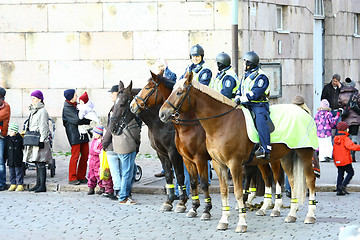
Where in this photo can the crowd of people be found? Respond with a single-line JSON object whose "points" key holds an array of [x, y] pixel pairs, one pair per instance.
{"points": [[337, 120]]}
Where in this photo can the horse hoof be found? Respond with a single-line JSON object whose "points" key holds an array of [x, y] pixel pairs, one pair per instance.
{"points": [[166, 207], [275, 213], [261, 212], [191, 213], [222, 226], [310, 220], [205, 216], [290, 219], [241, 228], [180, 208]]}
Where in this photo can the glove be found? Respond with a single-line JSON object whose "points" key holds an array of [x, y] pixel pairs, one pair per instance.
{"points": [[237, 99], [244, 98], [41, 145], [338, 114]]}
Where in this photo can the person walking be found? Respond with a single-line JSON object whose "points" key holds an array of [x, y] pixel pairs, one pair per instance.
{"points": [[342, 157], [4, 123], [13, 154], [40, 155], [325, 122], [79, 142]]}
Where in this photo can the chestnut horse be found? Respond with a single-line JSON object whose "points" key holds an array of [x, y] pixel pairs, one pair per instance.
{"points": [[190, 141], [229, 146], [161, 137]]}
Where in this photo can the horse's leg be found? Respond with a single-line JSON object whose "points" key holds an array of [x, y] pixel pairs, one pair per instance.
{"points": [[278, 178], [191, 167], [237, 176], [202, 166], [266, 174], [310, 177], [178, 165], [169, 176], [222, 172], [288, 166], [252, 188]]}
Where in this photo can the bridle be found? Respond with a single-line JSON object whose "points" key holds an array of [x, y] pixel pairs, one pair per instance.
{"points": [[120, 123], [142, 104], [176, 114]]}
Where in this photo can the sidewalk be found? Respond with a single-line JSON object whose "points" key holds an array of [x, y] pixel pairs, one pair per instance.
{"points": [[149, 184]]}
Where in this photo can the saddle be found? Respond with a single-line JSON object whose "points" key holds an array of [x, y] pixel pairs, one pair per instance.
{"points": [[269, 122]]}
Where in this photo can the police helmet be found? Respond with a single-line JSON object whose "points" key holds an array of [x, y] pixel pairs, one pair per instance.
{"points": [[196, 50], [223, 58], [252, 59]]}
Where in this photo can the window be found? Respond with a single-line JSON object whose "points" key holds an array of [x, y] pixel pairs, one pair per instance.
{"points": [[319, 9], [279, 18], [274, 73], [357, 24]]}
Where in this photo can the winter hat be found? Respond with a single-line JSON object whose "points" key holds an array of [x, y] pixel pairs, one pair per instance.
{"points": [[84, 97], [349, 83], [114, 88], [14, 127], [69, 94], [2, 93], [99, 129], [38, 94], [342, 126], [298, 100]]}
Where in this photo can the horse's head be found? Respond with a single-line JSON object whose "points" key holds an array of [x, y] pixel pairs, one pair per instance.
{"points": [[121, 115], [155, 92], [175, 102]]}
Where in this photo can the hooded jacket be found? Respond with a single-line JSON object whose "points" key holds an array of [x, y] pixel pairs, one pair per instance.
{"points": [[342, 147]]}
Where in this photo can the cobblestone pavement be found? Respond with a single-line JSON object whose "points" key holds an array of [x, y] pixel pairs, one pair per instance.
{"points": [[74, 215]]}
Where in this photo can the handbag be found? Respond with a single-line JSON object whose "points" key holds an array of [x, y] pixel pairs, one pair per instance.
{"points": [[31, 138], [104, 166], [354, 105]]}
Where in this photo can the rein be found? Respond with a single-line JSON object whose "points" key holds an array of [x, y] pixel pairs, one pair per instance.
{"points": [[176, 115], [123, 122]]}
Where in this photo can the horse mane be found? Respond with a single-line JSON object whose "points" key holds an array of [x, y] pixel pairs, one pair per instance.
{"points": [[167, 82], [208, 91]]}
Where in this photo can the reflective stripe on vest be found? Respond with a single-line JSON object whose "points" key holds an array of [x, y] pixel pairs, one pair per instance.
{"points": [[248, 83], [217, 85], [196, 75]]}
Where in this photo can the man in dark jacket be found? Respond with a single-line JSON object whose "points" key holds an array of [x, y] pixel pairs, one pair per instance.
{"points": [[79, 142], [331, 92]]}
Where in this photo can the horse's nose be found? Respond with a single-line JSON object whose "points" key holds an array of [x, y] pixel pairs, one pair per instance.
{"points": [[162, 116]]}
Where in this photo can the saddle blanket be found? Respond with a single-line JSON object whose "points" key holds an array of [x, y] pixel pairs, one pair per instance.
{"points": [[293, 126]]}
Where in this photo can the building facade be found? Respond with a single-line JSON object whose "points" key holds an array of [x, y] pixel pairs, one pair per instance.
{"points": [[90, 45]]}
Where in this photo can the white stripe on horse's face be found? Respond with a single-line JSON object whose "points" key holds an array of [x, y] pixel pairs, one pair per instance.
{"points": [[179, 85]]}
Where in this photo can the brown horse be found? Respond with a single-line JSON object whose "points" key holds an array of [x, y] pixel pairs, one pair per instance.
{"points": [[190, 141], [229, 146]]}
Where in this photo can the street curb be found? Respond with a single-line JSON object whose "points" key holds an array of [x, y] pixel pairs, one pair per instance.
{"points": [[161, 190]]}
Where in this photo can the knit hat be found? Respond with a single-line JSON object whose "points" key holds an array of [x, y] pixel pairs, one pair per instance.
{"points": [[2, 93], [69, 94], [99, 129], [342, 126], [38, 94], [349, 83], [114, 88], [14, 127], [84, 97], [324, 105], [298, 100]]}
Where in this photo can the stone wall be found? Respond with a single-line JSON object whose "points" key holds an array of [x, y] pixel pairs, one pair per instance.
{"points": [[90, 45]]}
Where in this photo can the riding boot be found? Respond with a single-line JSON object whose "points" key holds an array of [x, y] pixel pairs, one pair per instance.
{"points": [[37, 179], [42, 171]]}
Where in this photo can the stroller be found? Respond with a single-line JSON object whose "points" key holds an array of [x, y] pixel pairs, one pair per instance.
{"points": [[51, 165]]}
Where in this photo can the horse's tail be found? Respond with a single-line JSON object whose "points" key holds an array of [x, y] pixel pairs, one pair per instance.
{"points": [[299, 178]]}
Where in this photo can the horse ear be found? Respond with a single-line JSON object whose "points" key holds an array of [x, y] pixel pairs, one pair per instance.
{"points": [[121, 86], [129, 88], [190, 77], [155, 77]]}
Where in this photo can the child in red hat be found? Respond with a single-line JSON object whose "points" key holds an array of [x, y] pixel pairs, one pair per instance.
{"points": [[86, 110], [342, 157]]}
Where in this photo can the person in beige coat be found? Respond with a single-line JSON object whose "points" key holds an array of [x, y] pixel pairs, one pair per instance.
{"points": [[40, 155]]}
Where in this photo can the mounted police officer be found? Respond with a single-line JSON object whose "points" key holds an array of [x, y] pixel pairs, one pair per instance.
{"points": [[201, 71], [253, 93], [226, 81]]}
